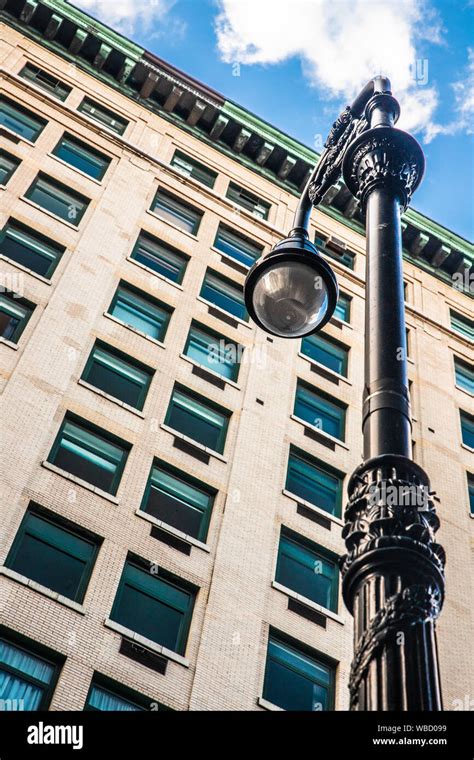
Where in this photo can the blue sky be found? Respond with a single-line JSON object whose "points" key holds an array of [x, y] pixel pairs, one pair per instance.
{"points": [[296, 63]]}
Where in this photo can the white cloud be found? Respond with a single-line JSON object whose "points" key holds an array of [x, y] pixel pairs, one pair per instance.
{"points": [[127, 16], [463, 108]]}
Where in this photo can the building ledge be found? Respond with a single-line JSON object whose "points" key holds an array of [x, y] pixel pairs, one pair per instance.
{"points": [[25, 269], [8, 343], [313, 507], [154, 273], [325, 370], [146, 643], [78, 481], [330, 438], [308, 602], [114, 400], [261, 702], [212, 372], [43, 210], [44, 590], [225, 313], [134, 330], [173, 531]]}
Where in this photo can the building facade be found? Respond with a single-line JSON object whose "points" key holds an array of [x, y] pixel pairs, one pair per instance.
{"points": [[173, 478]]}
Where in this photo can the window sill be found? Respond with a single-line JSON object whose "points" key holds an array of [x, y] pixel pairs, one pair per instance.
{"points": [[50, 214], [147, 643], [83, 483], [313, 507], [319, 431], [25, 269], [114, 400], [44, 590], [463, 390], [194, 443], [76, 170], [261, 702], [9, 343], [468, 448], [341, 322], [173, 531], [155, 274], [331, 372], [232, 262], [211, 372], [308, 602], [20, 137], [134, 330], [225, 313], [173, 226]]}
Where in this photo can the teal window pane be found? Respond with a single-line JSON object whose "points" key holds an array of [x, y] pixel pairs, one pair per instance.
{"points": [[175, 211], [462, 325], [225, 294], [103, 699], [90, 455], [326, 352], [82, 157], [192, 168], [154, 254], [58, 199], [237, 247], [102, 115], [20, 120], [198, 418], [313, 483], [141, 312], [154, 606], [248, 201], [467, 429], [14, 315], [53, 556], [308, 570], [470, 488], [118, 375], [464, 375], [24, 678], [8, 164], [47, 82], [179, 501], [295, 680], [319, 411], [33, 251], [213, 351], [343, 308]]}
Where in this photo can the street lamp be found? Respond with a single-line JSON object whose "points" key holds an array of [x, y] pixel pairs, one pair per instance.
{"points": [[393, 572]]}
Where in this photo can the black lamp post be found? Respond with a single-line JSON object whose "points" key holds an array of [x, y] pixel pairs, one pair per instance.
{"points": [[393, 572]]}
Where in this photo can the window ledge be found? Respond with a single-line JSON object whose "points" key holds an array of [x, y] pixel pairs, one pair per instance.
{"points": [[25, 581], [154, 273], [313, 507], [341, 322], [147, 643], [9, 343], [133, 329], [25, 269], [79, 481], [331, 372], [49, 213], [320, 432], [75, 169], [463, 390], [198, 445], [211, 372], [471, 515], [269, 705], [114, 400], [173, 226], [468, 448], [20, 137], [226, 313], [308, 602], [238, 263], [173, 531]]}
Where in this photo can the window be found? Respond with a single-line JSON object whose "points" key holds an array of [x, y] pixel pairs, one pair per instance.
{"points": [[59, 557], [8, 164], [213, 351], [44, 80], [462, 325], [29, 249], [82, 156], [295, 679], [470, 489], [27, 680], [89, 453], [224, 294], [105, 117], [156, 605], [464, 375], [197, 417], [118, 375], [336, 252], [140, 311], [252, 203], [316, 409], [467, 429], [173, 210], [160, 257], [178, 500], [306, 568], [19, 120], [327, 352], [311, 481], [343, 308], [57, 198], [192, 168], [107, 696], [14, 315], [237, 246]]}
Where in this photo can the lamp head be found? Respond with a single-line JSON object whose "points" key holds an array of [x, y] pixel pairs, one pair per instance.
{"points": [[291, 291]]}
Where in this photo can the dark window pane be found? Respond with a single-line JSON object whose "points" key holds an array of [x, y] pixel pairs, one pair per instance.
{"points": [[175, 211], [192, 168], [308, 571], [24, 678], [295, 680], [464, 375], [225, 294], [154, 254], [343, 308], [14, 315], [19, 120], [326, 352], [82, 157], [197, 419], [467, 429], [47, 82], [30, 249], [117, 375], [462, 325], [319, 412], [58, 199], [248, 201], [8, 164], [141, 312], [101, 114], [105, 700], [213, 351], [237, 247], [314, 484]]}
